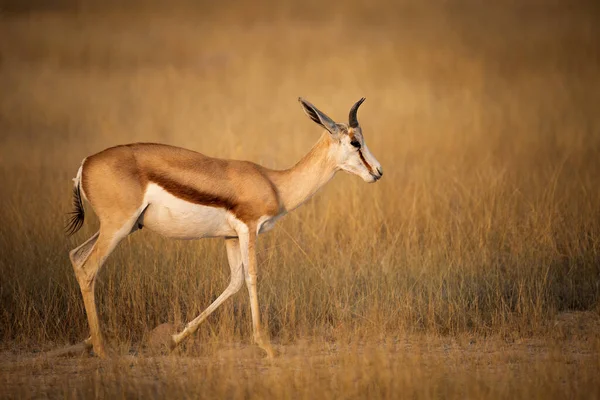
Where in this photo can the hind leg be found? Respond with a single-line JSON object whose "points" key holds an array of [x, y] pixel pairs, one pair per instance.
{"points": [[87, 260], [80, 254], [78, 258]]}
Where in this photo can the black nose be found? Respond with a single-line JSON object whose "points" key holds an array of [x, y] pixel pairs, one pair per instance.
{"points": [[380, 171]]}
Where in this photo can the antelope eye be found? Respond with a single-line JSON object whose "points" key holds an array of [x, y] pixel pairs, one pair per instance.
{"points": [[355, 143]]}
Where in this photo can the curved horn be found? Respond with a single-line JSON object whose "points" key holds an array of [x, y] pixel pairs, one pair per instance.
{"points": [[352, 117]]}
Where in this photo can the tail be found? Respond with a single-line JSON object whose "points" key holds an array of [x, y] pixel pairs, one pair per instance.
{"points": [[77, 216]]}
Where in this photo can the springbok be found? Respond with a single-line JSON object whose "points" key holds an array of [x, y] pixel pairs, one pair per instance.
{"points": [[182, 194]]}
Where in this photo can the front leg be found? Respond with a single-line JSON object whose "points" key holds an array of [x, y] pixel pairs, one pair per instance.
{"points": [[235, 284], [247, 236]]}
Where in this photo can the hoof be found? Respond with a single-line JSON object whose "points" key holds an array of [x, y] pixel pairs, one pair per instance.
{"points": [[268, 349], [270, 352], [100, 353]]}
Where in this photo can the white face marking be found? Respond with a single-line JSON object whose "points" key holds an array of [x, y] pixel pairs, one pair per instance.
{"points": [[173, 217], [349, 157]]}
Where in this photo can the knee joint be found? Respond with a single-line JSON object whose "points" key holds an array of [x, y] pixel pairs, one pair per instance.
{"points": [[236, 283], [84, 278]]}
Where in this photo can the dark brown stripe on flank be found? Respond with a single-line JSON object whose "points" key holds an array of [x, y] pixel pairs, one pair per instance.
{"points": [[190, 194], [365, 162]]}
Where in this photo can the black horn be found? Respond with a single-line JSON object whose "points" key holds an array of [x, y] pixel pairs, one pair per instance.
{"points": [[352, 117]]}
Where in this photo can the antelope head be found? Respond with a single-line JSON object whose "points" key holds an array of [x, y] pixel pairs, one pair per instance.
{"points": [[348, 147]]}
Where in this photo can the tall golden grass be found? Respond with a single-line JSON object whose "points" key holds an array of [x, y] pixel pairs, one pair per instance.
{"points": [[486, 223]]}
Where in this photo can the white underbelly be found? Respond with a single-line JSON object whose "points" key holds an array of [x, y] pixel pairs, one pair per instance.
{"points": [[173, 217]]}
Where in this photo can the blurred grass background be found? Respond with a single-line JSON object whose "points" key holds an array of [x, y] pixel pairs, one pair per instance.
{"points": [[484, 118]]}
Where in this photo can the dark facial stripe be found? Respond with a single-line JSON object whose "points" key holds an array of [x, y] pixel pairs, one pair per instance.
{"points": [[191, 194], [362, 158]]}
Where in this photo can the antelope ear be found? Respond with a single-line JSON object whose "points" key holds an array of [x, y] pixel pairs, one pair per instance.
{"points": [[316, 115]]}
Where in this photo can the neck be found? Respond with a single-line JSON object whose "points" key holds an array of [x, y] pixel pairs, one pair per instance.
{"points": [[299, 183]]}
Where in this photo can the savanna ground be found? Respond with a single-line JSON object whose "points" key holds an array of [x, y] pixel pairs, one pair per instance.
{"points": [[471, 270]]}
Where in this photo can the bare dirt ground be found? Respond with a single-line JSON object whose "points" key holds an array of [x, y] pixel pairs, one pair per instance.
{"points": [[417, 365]]}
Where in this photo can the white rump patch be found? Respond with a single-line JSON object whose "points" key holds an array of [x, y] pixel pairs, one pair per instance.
{"points": [[77, 179]]}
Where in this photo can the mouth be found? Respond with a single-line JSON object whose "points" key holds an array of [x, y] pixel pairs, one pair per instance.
{"points": [[380, 174], [375, 177]]}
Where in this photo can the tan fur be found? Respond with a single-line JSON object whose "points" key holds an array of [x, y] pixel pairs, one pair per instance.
{"points": [[121, 184], [351, 134], [299, 183], [116, 178]]}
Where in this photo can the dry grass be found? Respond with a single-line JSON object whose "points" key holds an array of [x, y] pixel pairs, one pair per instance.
{"points": [[486, 224], [408, 368]]}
